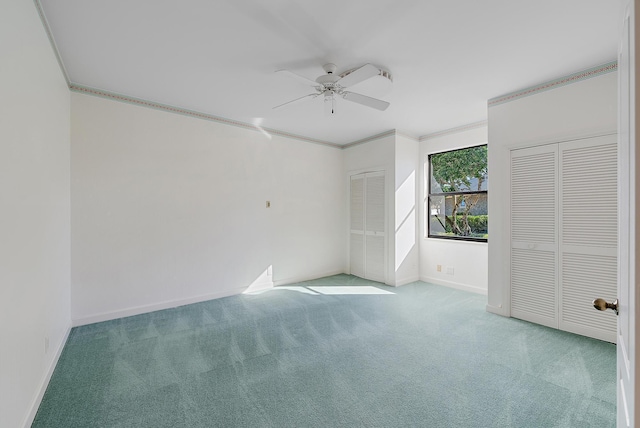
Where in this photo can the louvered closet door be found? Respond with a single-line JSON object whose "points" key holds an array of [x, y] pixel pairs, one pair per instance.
{"points": [[367, 220], [534, 235], [356, 244], [588, 235], [374, 226]]}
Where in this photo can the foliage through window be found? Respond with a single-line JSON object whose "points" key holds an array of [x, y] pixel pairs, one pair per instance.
{"points": [[457, 203]]}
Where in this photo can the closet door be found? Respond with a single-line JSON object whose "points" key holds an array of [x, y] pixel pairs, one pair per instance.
{"points": [[356, 243], [534, 235], [367, 226], [374, 226], [588, 235]]}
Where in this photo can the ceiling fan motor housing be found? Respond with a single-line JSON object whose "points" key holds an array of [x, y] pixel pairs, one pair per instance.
{"points": [[330, 68], [331, 86], [328, 79]]}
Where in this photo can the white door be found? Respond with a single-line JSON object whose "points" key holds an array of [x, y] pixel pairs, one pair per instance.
{"points": [[534, 234], [356, 236], [367, 226], [626, 350], [564, 234], [374, 226], [588, 235]]}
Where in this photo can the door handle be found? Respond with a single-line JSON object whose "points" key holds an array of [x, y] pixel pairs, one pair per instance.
{"points": [[603, 305]]}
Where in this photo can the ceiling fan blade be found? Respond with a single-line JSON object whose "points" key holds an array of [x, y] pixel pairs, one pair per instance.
{"points": [[299, 78], [297, 99], [365, 72], [366, 101]]}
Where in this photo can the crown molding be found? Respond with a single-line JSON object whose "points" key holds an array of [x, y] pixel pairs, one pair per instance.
{"points": [[87, 90], [158, 106], [47, 30], [198, 115], [457, 129], [384, 134], [582, 75], [566, 80], [407, 135], [371, 138]]}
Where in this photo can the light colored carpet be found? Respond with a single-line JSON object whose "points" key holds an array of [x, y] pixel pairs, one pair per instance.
{"points": [[332, 352]]}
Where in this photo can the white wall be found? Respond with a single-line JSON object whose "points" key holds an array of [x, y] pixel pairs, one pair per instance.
{"points": [[397, 155], [407, 247], [376, 155], [34, 208], [581, 109], [169, 209], [469, 260]]}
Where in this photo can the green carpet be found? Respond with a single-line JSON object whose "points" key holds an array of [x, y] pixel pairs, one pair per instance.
{"points": [[331, 353]]}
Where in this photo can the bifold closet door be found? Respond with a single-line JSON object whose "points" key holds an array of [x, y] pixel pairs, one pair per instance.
{"points": [[588, 235], [367, 232], [564, 231], [356, 244], [374, 226], [534, 235]]}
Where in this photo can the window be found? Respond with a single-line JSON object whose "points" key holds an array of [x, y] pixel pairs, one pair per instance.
{"points": [[457, 203]]}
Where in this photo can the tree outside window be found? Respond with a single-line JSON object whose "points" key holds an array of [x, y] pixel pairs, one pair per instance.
{"points": [[458, 183]]}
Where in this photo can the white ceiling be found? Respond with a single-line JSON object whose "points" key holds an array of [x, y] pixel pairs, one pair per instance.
{"points": [[218, 57]]}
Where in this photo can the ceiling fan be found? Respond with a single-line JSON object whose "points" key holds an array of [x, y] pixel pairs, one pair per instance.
{"points": [[331, 86]]}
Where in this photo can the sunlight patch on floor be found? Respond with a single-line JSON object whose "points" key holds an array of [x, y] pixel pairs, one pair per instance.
{"points": [[303, 290], [328, 290], [349, 289]]}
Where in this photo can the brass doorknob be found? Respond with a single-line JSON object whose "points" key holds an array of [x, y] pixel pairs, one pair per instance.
{"points": [[603, 305]]}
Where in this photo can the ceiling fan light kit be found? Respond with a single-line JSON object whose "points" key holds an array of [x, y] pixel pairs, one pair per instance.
{"points": [[333, 85], [329, 103]]}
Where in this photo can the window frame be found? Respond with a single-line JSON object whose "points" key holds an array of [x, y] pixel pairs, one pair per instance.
{"points": [[445, 194]]}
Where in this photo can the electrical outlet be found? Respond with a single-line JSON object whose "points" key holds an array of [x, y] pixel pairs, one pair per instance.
{"points": [[449, 270], [439, 268]]}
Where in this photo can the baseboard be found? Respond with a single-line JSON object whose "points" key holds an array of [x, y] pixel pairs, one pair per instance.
{"points": [[456, 285], [138, 310], [261, 286], [295, 279], [35, 405], [405, 281], [498, 310]]}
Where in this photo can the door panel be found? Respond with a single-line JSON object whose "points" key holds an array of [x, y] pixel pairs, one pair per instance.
{"points": [[533, 286], [534, 235], [375, 258], [356, 238], [367, 226], [375, 211], [585, 277], [374, 226], [627, 222], [564, 234], [588, 219]]}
